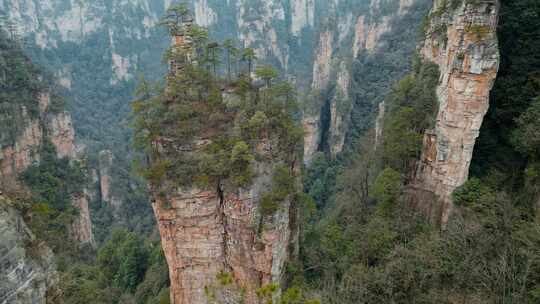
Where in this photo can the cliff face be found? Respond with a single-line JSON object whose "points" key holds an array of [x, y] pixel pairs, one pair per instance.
{"points": [[25, 151], [28, 269], [106, 159], [26, 275], [463, 42], [357, 32], [32, 121], [205, 233]]}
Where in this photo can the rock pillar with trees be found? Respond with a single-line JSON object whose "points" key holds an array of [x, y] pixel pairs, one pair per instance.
{"points": [[222, 157]]}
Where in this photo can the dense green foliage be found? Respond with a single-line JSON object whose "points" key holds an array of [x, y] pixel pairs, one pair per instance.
{"points": [[370, 246], [204, 130], [127, 269], [412, 108], [53, 183], [21, 84], [506, 147]]}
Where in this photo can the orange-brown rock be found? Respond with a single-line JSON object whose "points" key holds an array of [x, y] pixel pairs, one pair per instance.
{"points": [[25, 150], [105, 163], [463, 43], [207, 232], [81, 228]]}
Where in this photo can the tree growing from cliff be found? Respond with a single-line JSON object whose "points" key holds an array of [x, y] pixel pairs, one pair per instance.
{"points": [[176, 15], [207, 130]]}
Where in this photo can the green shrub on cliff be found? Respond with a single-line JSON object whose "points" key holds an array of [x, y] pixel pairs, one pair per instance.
{"points": [[21, 83], [412, 109], [207, 129], [53, 184]]}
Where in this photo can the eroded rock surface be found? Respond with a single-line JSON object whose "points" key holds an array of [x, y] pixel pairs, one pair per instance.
{"points": [[207, 232], [463, 43], [27, 269]]}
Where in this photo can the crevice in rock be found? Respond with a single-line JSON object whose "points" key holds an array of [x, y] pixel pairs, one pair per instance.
{"points": [[325, 118], [226, 237]]}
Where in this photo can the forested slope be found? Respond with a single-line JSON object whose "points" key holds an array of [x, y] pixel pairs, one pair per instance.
{"points": [[369, 244]]}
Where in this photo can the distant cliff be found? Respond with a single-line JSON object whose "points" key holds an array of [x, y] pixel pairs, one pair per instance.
{"points": [[461, 39], [353, 68]]}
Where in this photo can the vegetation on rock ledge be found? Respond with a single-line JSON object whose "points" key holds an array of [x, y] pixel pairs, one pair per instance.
{"points": [[205, 130]]}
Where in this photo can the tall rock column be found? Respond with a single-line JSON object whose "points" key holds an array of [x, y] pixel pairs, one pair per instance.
{"points": [[228, 222], [206, 233], [462, 40]]}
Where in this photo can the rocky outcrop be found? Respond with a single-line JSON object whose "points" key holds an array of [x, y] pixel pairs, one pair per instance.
{"points": [[18, 156], [463, 42], [302, 15], [205, 233], [24, 150], [27, 269], [105, 165], [340, 104], [323, 61], [312, 136], [379, 123], [106, 159], [81, 228], [62, 135], [245, 234]]}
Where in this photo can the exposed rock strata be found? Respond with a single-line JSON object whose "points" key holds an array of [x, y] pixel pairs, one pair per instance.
{"points": [[105, 165], [464, 44], [27, 269], [206, 232], [312, 136], [379, 123], [106, 160], [354, 34], [81, 228], [340, 105]]}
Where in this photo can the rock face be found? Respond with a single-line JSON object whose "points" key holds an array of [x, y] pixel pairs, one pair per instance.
{"points": [[27, 268], [463, 42], [81, 228], [24, 151], [221, 230], [354, 33], [205, 233], [27, 273], [379, 123], [106, 159]]}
